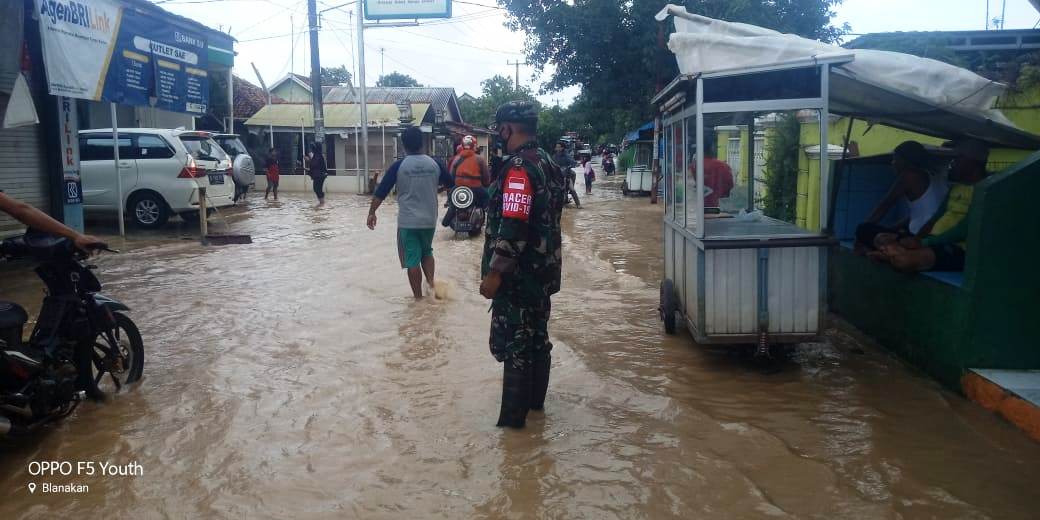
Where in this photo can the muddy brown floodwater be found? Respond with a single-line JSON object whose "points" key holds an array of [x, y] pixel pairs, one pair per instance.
{"points": [[296, 378]]}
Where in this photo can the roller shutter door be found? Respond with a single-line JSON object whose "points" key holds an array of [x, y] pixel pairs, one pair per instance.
{"points": [[23, 172]]}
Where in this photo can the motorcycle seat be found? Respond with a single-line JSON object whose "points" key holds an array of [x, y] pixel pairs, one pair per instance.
{"points": [[12, 315], [32, 362]]}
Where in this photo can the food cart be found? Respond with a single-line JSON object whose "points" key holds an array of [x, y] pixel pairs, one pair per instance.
{"points": [[639, 145], [639, 180], [731, 274]]}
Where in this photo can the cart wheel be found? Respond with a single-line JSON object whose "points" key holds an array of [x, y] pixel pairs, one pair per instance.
{"points": [[624, 188], [668, 306]]}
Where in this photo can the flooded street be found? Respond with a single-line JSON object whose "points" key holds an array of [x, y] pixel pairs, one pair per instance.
{"points": [[296, 377]]}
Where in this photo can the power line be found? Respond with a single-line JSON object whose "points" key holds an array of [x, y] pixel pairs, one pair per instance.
{"points": [[289, 60], [271, 37], [349, 51], [462, 19], [293, 8], [480, 5], [407, 48], [468, 46], [421, 75]]}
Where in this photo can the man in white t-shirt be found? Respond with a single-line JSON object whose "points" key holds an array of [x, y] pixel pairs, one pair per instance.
{"points": [[923, 192]]}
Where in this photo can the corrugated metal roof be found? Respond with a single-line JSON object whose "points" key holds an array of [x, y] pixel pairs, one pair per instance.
{"points": [[437, 97], [337, 115], [442, 98]]}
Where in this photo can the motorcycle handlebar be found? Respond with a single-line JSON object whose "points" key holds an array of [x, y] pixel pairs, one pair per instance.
{"points": [[44, 246]]}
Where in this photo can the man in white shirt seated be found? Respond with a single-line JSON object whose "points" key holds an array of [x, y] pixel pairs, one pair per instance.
{"points": [[923, 191]]}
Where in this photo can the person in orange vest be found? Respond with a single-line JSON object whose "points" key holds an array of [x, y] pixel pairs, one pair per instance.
{"points": [[471, 170]]}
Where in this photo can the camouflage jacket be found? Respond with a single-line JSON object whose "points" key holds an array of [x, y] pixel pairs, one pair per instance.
{"points": [[523, 239]]}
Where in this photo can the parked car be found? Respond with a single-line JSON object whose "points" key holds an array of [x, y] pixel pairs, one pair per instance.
{"points": [[243, 171], [161, 171]]}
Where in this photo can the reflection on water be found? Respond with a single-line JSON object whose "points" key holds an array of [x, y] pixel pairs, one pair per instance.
{"points": [[297, 377]]}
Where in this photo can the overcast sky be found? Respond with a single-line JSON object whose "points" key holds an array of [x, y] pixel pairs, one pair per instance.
{"points": [[474, 44]]}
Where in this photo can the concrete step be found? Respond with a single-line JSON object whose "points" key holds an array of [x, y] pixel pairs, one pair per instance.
{"points": [[1014, 394]]}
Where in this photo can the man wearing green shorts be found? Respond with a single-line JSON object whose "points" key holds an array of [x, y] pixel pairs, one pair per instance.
{"points": [[416, 177]]}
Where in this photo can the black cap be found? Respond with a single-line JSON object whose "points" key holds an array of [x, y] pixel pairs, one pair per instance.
{"points": [[517, 112]]}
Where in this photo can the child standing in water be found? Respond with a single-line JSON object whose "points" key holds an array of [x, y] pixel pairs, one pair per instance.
{"points": [[271, 162]]}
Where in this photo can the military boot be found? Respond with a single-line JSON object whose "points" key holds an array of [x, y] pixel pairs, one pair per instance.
{"points": [[540, 380], [516, 392]]}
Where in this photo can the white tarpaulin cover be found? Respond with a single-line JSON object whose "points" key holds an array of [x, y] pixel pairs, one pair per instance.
{"points": [[703, 44]]}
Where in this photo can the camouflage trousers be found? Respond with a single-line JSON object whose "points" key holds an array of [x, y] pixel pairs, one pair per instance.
{"points": [[519, 333]]}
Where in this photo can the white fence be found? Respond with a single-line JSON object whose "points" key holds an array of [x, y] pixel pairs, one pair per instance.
{"points": [[339, 183]]}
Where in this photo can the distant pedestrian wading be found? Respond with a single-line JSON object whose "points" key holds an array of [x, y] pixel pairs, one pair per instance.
{"points": [[318, 172], [520, 268]]}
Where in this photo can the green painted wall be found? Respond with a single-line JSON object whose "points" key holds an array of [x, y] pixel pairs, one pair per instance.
{"points": [[922, 320], [741, 173], [942, 329], [1004, 226], [292, 92], [1021, 108], [807, 208]]}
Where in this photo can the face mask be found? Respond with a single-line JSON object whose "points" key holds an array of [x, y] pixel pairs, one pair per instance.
{"points": [[501, 142]]}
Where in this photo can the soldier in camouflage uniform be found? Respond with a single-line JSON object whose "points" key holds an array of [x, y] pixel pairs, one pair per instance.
{"points": [[521, 264]]}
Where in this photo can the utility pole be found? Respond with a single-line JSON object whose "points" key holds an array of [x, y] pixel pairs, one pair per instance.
{"points": [[362, 94], [362, 102], [518, 63], [382, 69], [319, 113], [263, 85]]}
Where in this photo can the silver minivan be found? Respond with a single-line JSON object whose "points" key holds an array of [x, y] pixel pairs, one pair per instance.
{"points": [[161, 170]]}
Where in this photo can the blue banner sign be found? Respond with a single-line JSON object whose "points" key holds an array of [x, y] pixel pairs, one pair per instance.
{"points": [[103, 51]]}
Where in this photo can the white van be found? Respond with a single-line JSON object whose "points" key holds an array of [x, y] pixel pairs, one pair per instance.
{"points": [[161, 170]]}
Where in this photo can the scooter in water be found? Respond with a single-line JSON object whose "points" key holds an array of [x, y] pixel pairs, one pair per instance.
{"points": [[83, 344], [467, 217], [608, 165]]}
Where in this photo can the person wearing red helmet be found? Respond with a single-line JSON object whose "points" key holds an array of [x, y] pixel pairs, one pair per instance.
{"points": [[471, 170]]}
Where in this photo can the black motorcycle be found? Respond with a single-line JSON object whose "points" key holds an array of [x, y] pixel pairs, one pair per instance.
{"points": [[608, 166], [83, 343], [466, 216]]}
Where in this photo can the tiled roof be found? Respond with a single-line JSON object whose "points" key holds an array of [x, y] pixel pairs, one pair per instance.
{"points": [[249, 98]]}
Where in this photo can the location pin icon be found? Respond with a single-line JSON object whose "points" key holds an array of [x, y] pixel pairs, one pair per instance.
{"points": [[32, 487]]}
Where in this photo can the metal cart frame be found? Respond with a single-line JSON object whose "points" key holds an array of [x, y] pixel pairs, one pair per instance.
{"points": [[735, 282]]}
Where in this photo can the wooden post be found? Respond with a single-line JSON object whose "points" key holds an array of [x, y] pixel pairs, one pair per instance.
{"points": [[203, 225]]}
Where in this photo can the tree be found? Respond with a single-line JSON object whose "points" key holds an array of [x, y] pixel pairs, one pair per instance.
{"points": [[332, 76], [495, 91], [781, 169], [396, 79], [610, 48]]}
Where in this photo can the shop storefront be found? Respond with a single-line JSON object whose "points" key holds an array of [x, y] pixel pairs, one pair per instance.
{"points": [[65, 65]]}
